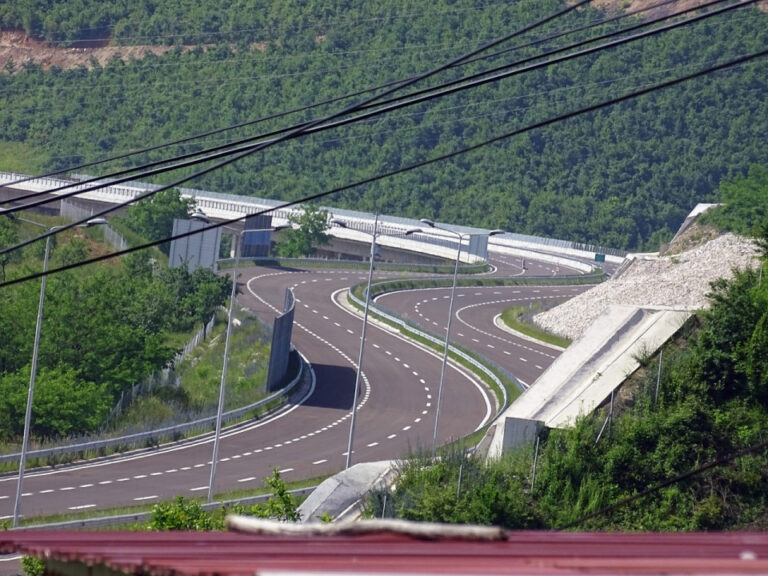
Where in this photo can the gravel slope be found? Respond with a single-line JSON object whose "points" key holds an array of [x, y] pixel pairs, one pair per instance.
{"points": [[681, 281]]}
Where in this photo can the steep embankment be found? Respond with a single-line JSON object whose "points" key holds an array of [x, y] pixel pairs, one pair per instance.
{"points": [[679, 281]]}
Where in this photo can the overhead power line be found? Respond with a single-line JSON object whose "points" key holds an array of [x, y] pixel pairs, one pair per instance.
{"points": [[332, 100], [617, 100], [385, 106], [309, 125]]}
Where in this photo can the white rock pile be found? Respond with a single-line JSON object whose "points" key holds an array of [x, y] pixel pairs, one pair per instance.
{"points": [[679, 282]]}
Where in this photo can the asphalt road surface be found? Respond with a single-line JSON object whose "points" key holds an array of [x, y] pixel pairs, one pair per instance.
{"points": [[396, 413], [309, 438]]}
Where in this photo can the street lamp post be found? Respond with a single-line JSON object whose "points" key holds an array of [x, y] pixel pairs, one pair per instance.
{"points": [[343, 224], [222, 386], [460, 237], [33, 368]]}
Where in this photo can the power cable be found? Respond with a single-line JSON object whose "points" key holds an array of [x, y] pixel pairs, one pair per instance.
{"points": [[302, 129], [249, 149], [330, 101], [617, 100], [431, 90]]}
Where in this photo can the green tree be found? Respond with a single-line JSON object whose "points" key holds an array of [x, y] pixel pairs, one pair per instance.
{"points": [[309, 231], [282, 505], [183, 514], [153, 217], [9, 235]]}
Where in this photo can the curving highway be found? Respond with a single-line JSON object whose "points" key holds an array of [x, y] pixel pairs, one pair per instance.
{"points": [[309, 439]]}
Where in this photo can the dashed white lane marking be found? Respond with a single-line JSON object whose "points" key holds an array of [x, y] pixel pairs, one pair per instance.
{"points": [[326, 318], [406, 428], [391, 436], [186, 468], [372, 444], [105, 482], [350, 331], [507, 353], [337, 324], [85, 486], [376, 345], [200, 465], [171, 471], [140, 498], [539, 367], [249, 479], [48, 491], [475, 340], [323, 461], [285, 470], [523, 359], [67, 488], [460, 334], [156, 474], [198, 489], [123, 479], [82, 507], [490, 346], [139, 476]]}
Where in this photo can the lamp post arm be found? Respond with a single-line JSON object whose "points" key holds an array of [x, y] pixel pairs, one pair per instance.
{"points": [[362, 344], [447, 344], [31, 391], [222, 386]]}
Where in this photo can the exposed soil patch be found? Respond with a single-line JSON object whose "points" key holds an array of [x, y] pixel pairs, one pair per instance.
{"points": [[18, 49]]}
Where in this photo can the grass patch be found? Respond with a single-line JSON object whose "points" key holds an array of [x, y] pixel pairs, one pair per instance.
{"points": [[19, 157], [385, 286], [520, 318]]}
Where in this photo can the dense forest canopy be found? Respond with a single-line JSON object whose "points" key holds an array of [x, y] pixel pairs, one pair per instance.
{"points": [[624, 176]]}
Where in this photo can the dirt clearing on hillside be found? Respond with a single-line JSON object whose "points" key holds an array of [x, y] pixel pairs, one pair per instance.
{"points": [[16, 49]]}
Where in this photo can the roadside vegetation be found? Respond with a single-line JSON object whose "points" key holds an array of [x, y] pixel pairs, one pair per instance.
{"points": [[520, 318], [111, 332], [685, 448]]}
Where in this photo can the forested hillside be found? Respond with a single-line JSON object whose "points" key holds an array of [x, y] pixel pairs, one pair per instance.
{"points": [[624, 176]]}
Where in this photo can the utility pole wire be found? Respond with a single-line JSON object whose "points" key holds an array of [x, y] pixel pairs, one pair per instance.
{"points": [[143, 172], [390, 88], [667, 84], [298, 131], [321, 125]]}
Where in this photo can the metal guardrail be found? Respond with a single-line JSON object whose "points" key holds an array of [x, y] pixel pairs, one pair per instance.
{"points": [[434, 339], [160, 432], [419, 331], [491, 281], [359, 264]]}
